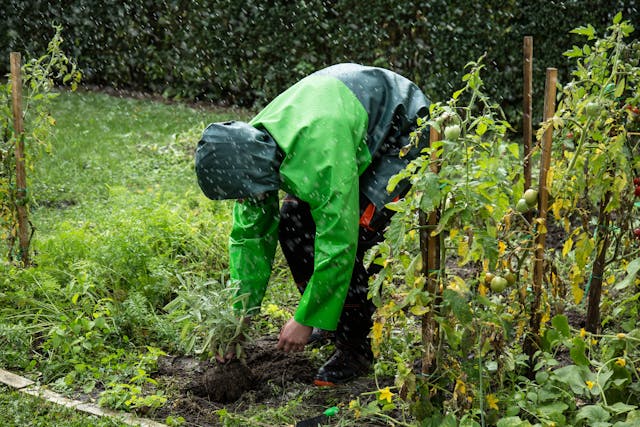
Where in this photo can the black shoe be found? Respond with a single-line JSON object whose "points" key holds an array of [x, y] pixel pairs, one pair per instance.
{"points": [[342, 366], [320, 336]]}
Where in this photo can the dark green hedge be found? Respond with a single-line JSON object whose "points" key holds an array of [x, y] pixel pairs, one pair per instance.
{"points": [[245, 52]]}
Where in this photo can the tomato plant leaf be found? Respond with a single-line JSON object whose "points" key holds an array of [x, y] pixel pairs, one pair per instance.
{"points": [[620, 88], [617, 18], [575, 52], [632, 272], [561, 323], [430, 185], [577, 352], [459, 306], [588, 31]]}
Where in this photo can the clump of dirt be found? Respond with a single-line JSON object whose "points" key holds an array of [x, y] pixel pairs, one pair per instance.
{"points": [[226, 383]]}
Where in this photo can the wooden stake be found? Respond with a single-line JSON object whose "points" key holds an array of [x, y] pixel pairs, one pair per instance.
{"points": [[430, 251], [532, 344], [21, 176], [527, 90]]}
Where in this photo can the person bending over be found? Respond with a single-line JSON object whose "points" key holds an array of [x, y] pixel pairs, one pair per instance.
{"points": [[330, 142]]}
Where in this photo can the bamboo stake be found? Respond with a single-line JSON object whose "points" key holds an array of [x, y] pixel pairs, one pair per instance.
{"points": [[21, 176], [430, 250], [543, 205]]}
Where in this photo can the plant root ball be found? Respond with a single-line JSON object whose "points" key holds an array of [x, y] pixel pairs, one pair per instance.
{"points": [[226, 383]]}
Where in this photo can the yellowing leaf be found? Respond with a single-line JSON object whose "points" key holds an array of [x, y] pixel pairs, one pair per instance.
{"points": [[502, 247], [419, 310], [376, 332], [576, 278], [355, 406], [457, 284], [566, 248], [546, 316], [460, 388], [463, 248]]}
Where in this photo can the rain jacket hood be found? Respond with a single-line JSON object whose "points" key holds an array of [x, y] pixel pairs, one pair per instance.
{"points": [[234, 160]]}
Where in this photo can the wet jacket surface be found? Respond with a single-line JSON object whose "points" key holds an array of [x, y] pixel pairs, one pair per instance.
{"points": [[340, 131]]}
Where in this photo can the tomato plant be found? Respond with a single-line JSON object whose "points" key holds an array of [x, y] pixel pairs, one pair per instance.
{"points": [[39, 75], [473, 184], [593, 182], [473, 190]]}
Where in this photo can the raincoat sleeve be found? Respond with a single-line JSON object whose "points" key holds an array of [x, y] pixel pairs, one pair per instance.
{"points": [[252, 246], [336, 219], [324, 173]]}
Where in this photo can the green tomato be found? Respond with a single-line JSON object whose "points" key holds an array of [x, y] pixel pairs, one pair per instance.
{"points": [[499, 284], [488, 277], [531, 197], [511, 278], [452, 132], [592, 109], [522, 206]]}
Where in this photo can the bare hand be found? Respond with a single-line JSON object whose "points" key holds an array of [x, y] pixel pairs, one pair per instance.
{"points": [[293, 336]]}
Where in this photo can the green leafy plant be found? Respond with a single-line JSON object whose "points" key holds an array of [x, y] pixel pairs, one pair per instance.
{"points": [[210, 324], [596, 161], [140, 391]]}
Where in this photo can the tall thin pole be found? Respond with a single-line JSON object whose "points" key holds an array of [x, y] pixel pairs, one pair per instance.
{"points": [[430, 251], [543, 205], [21, 176]]}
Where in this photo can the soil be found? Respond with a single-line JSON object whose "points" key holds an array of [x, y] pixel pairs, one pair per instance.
{"points": [[268, 379]]}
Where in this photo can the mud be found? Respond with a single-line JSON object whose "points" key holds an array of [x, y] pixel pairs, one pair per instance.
{"points": [[268, 379]]}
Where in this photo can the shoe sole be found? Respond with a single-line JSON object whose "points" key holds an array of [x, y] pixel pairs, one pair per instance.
{"points": [[326, 383], [322, 383]]}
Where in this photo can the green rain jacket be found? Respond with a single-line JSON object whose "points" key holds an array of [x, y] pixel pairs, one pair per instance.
{"points": [[336, 133]]}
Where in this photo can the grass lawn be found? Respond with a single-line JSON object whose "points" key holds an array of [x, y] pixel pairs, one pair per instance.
{"points": [[20, 410], [119, 223]]}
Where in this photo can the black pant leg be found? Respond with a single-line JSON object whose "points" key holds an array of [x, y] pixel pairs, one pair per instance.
{"points": [[296, 233], [356, 318], [297, 238]]}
